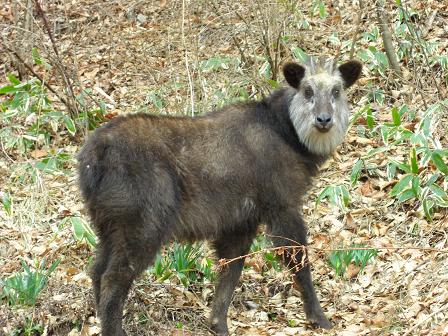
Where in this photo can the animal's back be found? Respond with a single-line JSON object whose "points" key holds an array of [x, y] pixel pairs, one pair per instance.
{"points": [[126, 170]]}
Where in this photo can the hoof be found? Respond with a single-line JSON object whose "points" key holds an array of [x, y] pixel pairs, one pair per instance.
{"points": [[321, 322], [220, 330]]}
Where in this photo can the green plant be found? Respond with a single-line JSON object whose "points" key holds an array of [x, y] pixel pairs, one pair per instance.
{"points": [[376, 60], [337, 195], [184, 262], [7, 202], [29, 328], [54, 162], [318, 7], [82, 230], [28, 116], [339, 260], [270, 257], [218, 63], [425, 177], [423, 172], [292, 323], [24, 288]]}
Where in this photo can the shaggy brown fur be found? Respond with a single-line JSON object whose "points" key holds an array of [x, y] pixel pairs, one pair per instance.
{"points": [[150, 179]]}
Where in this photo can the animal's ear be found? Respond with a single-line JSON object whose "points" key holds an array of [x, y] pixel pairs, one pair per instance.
{"points": [[350, 72], [293, 73]]}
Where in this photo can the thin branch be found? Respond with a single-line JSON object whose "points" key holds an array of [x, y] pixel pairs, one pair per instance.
{"points": [[72, 107], [387, 39], [190, 81], [358, 29], [235, 40], [280, 249], [416, 37], [30, 69], [411, 331]]}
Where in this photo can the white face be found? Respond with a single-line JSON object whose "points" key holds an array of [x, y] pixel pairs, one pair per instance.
{"points": [[319, 112]]}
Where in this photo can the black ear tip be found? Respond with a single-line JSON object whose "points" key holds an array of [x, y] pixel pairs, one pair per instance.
{"points": [[356, 65], [293, 73], [350, 71], [352, 65], [293, 68]]}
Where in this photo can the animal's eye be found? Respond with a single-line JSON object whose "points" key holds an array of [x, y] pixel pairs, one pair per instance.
{"points": [[308, 92], [336, 92]]}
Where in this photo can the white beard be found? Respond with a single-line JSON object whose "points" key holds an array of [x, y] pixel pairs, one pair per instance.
{"points": [[316, 142]]}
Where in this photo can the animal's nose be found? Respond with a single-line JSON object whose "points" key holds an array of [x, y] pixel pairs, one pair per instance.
{"points": [[323, 120]]}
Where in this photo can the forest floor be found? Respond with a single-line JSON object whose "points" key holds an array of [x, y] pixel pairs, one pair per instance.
{"points": [[188, 57]]}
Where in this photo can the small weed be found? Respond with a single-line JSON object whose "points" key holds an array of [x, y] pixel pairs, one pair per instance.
{"points": [[337, 195], [423, 173], [7, 202], [54, 162], [270, 257], [29, 328], [319, 8], [341, 259], [184, 262], [82, 230], [292, 323], [24, 288]]}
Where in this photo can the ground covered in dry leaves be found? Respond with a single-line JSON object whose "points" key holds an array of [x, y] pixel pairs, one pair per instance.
{"points": [[184, 57]]}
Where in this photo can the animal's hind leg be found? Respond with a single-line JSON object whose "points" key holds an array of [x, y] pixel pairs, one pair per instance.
{"points": [[134, 247], [98, 268]]}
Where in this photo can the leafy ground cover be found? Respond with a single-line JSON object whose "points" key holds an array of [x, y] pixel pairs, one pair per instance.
{"points": [[377, 215]]}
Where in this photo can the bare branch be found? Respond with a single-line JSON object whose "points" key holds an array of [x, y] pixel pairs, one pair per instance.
{"points": [[387, 39], [71, 105], [358, 29], [30, 69]]}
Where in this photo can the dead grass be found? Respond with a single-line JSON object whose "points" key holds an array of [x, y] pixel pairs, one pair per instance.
{"points": [[129, 51]]}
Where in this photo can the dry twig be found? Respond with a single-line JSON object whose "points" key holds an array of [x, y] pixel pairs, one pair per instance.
{"points": [[70, 103], [387, 39]]}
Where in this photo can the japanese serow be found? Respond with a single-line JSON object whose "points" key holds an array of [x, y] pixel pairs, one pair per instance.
{"points": [[147, 180]]}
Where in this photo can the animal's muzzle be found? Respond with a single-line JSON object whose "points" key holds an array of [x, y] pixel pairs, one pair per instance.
{"points": [[323, 122]]}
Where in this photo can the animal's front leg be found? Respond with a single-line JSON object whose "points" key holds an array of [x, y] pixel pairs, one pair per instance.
{"points": [[229, 245], [288, 229]]}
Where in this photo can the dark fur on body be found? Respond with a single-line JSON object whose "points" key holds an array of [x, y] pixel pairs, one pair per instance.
{"points": [[150, 179]]}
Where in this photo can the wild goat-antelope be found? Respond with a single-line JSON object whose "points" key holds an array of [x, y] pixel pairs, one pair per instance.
{"points": [[148, 180]]}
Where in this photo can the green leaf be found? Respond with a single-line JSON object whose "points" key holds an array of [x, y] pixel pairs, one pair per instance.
{"points": [[356, 171], [299, 54], [369, 118], [438, 192], [396, 116], [13, 79], [70, 125], [273, 83], [7, 89], [322, 11], [6, 200], [413, 161], [416, 186], [391, 170], [82, 230], [154, 98], [36, 56], [401, 185], [427, 208], [78, 227], [345, 195], [324, 193], [439, 163]]}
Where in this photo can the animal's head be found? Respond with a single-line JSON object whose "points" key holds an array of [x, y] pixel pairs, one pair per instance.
{"points": [[319, 108]]}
